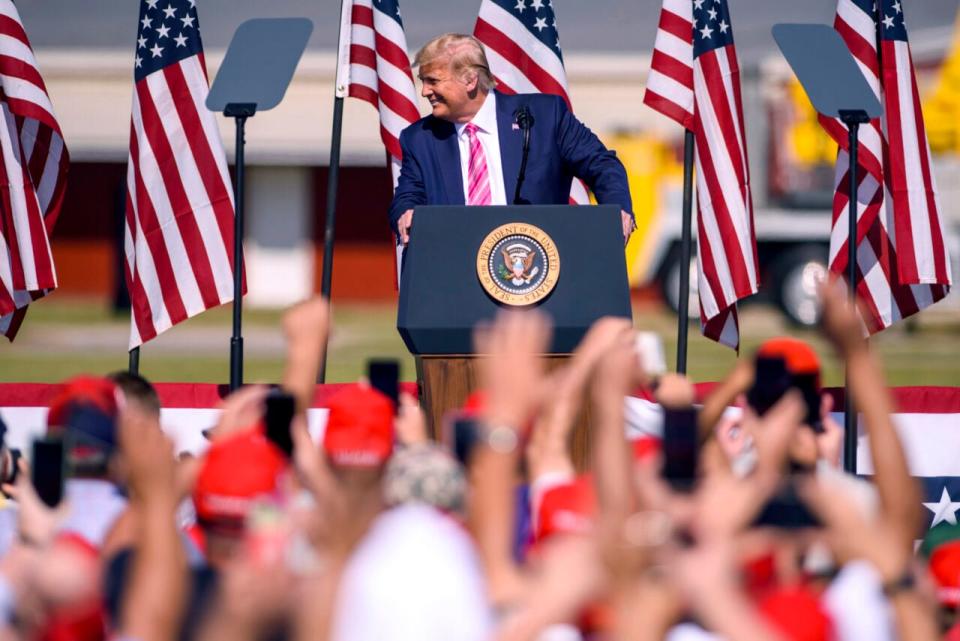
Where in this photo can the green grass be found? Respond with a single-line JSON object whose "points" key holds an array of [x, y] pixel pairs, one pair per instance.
{"points": [[62, 338]]}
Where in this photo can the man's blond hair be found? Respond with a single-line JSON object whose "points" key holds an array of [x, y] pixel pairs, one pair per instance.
{"points": [[465, 56]]}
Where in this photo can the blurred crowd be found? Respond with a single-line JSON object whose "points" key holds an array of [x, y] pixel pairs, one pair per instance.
{"points": [[731, 518]]}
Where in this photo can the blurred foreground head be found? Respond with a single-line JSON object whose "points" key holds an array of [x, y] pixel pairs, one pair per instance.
{"points": [[137, 391], [426, 474], [84, 414]]}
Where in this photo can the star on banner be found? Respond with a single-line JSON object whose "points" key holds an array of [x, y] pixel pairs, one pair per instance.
{"points": [[520, 6], [943, 510], [888, 22], [187, 21], [541, 24], [169, 12], [706, 32]]}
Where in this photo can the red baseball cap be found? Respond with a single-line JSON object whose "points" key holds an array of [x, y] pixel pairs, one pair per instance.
{"points": [[359, 430], [941, 547], [234, 473], [567, 509], [84, 411]]}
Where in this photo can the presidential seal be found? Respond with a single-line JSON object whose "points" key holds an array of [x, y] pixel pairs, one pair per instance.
{"points": [[518, 264]]}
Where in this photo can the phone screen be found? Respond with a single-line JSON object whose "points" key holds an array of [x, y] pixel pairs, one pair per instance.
{"points": [[278, 415], [680, 447], [772, 380], [384, 376], [464, 438], [47, 470]]}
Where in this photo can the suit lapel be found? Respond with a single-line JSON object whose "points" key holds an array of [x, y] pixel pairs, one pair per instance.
{"points": [[511, 144], [448, 155]]}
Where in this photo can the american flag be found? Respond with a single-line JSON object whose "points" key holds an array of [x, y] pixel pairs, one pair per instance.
{"points": [[694, 79], [179, 219], [523, 48], [33, 175], [902, 260], [373, 66]]}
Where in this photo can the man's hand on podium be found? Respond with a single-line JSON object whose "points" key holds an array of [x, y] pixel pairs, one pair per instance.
{"points": [[403, 226], [628, 225]]}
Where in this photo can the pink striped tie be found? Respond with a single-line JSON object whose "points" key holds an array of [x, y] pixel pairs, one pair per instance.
{"points": [[478, 177]]}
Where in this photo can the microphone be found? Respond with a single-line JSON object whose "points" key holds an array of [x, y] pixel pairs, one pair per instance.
{"points": [[524, 118], [525, 122]]}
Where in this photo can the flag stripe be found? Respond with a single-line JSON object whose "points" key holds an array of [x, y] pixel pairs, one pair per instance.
{"points": [[169, 195], [376, 67], [525, 57], [149, 230], [33, 167], [508, 48], [694, 80], [899, 233]]}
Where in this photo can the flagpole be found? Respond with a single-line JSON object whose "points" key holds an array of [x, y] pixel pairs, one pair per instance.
{"points": [[683, 303], [853, 119], [134, 363], [333, 174]]}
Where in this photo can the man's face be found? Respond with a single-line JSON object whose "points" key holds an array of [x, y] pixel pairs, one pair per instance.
{"points": [[449, 96]]}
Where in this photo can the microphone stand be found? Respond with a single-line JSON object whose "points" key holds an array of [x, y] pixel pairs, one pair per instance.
{"points": [[525, 120]]}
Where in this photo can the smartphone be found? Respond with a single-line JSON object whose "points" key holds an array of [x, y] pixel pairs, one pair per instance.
{"points": [[772, 380], [47, 470], [785, 510], [278, 415], [384, 376], [464, 437], [680, 447]]}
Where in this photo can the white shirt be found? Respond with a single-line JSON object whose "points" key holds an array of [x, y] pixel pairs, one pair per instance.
{"points": [[487, 134], [94, 507], [414, 577]]}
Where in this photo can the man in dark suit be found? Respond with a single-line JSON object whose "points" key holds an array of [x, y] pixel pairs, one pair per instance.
{"points": [[469, 150]]}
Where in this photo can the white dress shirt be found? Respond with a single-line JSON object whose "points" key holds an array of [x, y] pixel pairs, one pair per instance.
{"points": [[486, 122]]}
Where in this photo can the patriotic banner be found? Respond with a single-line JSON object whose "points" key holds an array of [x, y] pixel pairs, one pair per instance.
{"points": [[179, 216], [523, 48], [373, 66], [33, 175], [902, 260], [694, 80]]}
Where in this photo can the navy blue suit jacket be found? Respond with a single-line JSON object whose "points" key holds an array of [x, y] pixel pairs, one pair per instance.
{"points": [[561, 147]]}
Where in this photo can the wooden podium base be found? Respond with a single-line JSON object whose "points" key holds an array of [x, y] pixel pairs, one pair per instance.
{"points": [[446, 381]]}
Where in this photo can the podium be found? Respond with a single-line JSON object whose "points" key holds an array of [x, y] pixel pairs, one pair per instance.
{"points": [[464, 264]]}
